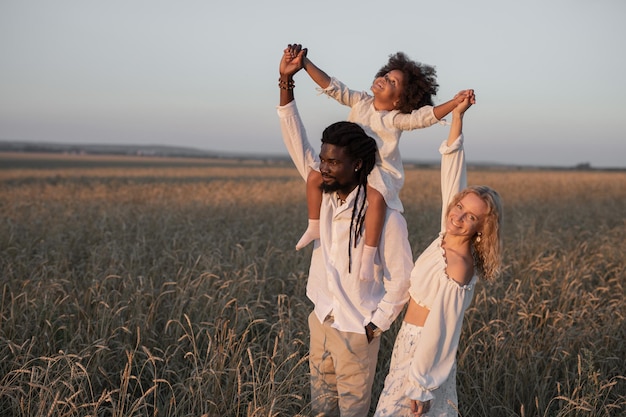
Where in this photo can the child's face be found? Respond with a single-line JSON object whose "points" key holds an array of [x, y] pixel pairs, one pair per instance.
{"points": [[388, 89]]}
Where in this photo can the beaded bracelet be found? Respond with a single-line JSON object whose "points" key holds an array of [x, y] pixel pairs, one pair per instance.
{"points": [[286, 85]]}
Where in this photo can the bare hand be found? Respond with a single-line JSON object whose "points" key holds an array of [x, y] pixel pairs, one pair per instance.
{"points": [[463, 94], [419, 408], [466, 99], [292, 60]]}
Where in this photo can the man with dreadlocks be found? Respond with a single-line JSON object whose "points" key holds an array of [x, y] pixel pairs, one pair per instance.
{"points": [[349, 313]]}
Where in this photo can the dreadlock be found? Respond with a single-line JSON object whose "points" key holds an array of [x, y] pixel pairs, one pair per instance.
{"points": [[357, 145]]}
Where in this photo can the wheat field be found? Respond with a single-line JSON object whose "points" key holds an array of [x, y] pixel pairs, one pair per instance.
{"points": [[170, 287]]}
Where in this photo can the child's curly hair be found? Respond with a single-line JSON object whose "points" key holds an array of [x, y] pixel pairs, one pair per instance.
{"points": [[420, 82]]}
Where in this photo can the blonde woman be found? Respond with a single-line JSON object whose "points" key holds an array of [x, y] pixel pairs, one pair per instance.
{"points": [[422, 374]]}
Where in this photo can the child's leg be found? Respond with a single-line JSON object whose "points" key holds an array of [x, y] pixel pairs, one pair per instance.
{"points": [[314, 203], [374, 216], [374, 220]]}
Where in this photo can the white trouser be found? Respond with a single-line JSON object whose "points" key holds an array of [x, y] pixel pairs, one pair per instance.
{"points": [[393, 401]]}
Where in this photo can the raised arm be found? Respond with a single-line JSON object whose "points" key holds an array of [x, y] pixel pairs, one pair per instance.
{"points": [[317, 74], [458, 110], [293, 132], [290, 63], [444, 109], [453, 168], [428, 115]]}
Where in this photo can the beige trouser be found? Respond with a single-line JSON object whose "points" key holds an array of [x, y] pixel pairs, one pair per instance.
{"points": [[342, 367]]}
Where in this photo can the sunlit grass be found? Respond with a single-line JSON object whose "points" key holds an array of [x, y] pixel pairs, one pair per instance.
{"points": [[176, 291]]}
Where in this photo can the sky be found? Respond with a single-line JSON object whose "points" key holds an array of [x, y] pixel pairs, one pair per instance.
{"points": [[548, 74]]}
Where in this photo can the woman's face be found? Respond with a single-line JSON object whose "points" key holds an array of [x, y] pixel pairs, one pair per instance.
{"points": [[466, 217]]}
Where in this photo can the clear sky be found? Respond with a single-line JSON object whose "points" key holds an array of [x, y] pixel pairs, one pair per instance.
{"points": [[548, 74]]}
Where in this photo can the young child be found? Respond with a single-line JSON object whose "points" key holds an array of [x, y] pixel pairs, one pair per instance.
{"points": [[401, 100]]}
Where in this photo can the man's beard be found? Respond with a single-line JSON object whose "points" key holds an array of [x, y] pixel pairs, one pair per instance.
{"points": [[336, 186], [329, 188]]}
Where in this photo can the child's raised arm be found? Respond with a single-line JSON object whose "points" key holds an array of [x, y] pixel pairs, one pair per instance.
{"points": [[317, 75], [442, 110]]}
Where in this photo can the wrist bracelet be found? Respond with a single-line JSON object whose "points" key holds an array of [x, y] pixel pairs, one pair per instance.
{"points": [[286, 85]]}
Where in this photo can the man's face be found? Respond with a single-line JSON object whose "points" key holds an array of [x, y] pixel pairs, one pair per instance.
{"points": [[338, 169]]}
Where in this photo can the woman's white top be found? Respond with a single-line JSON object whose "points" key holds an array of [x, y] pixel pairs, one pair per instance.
{"points": [[444, 297]]}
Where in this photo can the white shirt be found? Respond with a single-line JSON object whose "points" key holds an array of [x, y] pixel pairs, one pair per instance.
{"points": [[385, 127], [330, 287]]}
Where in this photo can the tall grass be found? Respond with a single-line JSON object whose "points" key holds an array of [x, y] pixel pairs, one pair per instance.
{"points": [[176, 291]]}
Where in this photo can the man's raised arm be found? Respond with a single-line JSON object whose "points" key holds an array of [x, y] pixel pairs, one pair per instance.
{"points": [[294, 134]]}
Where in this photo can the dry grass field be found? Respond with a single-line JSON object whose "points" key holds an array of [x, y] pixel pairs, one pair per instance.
{"points": [[162, 287]]}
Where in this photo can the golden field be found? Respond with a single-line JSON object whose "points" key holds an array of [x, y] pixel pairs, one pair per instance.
{"points": [[170, 287]]}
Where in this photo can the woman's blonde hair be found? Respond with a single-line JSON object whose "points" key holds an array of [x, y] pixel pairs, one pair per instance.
{"points": [[486, 247]]}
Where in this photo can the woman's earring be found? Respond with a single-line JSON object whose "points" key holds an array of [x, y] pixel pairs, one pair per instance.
{"points": [[478, 237]]}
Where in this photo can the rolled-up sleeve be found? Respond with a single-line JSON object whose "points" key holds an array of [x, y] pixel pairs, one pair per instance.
{"points": [[417, 119], [453, 173], [397, 263], [294, 135], [340, 92]]}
